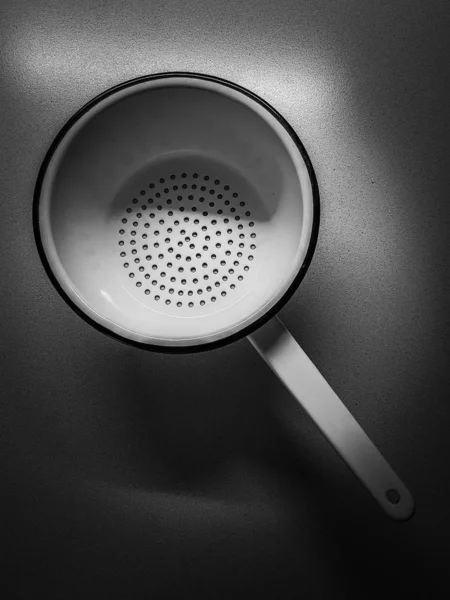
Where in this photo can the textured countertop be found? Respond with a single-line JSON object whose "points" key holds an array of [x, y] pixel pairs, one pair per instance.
{"points": [[130, 474]]}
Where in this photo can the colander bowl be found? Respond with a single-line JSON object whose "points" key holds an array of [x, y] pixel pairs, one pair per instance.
{"points": [[178, 211]]}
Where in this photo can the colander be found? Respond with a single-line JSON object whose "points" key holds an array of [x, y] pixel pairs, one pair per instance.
{"points": [[179, 212]]}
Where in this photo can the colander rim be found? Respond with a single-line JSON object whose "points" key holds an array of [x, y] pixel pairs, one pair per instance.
{"points": [[241, 333]]}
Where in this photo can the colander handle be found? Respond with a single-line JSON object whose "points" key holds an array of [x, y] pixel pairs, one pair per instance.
{"points": [[285, 357]]}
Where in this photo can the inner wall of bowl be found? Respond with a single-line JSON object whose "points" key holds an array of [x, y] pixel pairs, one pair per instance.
{"points": [[104, 162]]}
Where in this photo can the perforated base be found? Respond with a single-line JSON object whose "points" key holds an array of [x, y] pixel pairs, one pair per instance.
{"points": [[187, 238]]}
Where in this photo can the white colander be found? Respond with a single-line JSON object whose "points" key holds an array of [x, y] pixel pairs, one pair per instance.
{"points": [[179, 212]]}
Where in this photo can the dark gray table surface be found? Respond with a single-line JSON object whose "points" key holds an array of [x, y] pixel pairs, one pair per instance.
{"points": [[130, 474]]}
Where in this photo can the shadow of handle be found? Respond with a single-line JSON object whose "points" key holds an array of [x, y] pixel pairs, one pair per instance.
{"points": [[282, 353]]}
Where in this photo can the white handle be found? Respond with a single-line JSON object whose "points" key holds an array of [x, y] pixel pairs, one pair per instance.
{"points": [[282, 353]]}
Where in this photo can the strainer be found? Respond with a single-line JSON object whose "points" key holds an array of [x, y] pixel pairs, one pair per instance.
{"points": [[179, 212]]}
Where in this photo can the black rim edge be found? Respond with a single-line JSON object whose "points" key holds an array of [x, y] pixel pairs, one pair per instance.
{"points": [[242, 332]]}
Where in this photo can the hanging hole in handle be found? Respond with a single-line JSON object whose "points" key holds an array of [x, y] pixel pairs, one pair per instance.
{"points": [[393, 496]]}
